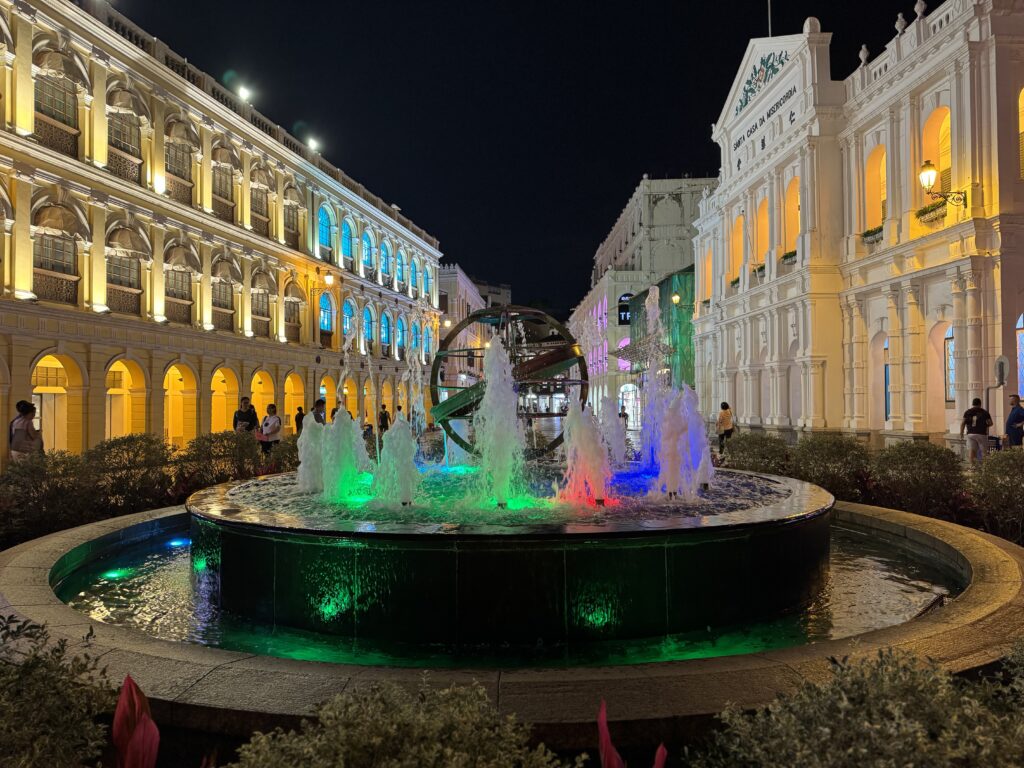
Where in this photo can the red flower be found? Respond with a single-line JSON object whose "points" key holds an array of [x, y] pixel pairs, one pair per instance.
{"points": [[135, 735], [609, 755]]}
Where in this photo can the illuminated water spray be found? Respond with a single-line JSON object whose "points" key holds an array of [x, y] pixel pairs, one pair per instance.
{"points": [[311, 477], [587, 472], [397, 475], [613, 431], [499, 436], [683, 452], [343, 456]]}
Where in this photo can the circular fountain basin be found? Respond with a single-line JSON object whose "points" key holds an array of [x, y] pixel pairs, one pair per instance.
{"points": [[547, 576]]}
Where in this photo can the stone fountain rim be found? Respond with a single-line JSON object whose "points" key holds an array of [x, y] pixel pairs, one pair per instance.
{"points": [[804, 502], [210, 689]]}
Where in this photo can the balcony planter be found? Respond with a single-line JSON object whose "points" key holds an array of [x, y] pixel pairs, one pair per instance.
{"points": [[734, 282], [869, 236], [789, 257], [706, 303], [758, 270], [933, 212]]}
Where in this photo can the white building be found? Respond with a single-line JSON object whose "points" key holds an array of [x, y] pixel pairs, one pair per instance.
{"points": [[459, 297], [836, 293], [494, 294], [651, 238]]}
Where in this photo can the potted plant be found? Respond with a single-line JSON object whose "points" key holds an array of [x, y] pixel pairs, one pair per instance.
{"points": [[873, 235]]}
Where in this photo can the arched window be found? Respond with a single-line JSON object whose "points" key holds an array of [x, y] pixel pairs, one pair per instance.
{"points": [[400, 333], [935, 146], [415, 336], [413, 267], [761, 247], [426, 280], [323, 228], [348, 316], [346, 239], [736, 248], [874, 189], [326, 313], [949, 349], [400, 267], [385, 259], [368, 329], [385, 330], [428, 341], [791, 220], [367, 250]]}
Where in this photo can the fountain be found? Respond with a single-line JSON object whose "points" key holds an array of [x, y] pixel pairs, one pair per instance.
{"points": [[397, 476], [613, 431], [497, 429], [587, 472], [342, 457]]}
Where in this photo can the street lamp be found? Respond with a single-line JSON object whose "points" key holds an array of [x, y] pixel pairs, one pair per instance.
{"points": [[244, 93], [313, 144], [447, 322], [676, 298], [927, 177]]}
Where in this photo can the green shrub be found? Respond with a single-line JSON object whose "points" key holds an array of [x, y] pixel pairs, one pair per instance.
{"points": [[385, 726], [758, 452], [49, 700], [996, 489], [838, 463], [283, 457], [216, 458], [130, 473], [888, 711], [43, 493], [920, 477]]}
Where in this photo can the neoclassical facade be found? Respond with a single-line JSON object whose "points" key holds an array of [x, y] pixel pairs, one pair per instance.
{"points": [[460, 297], [834, 291], [166, 249], [651, 238]]}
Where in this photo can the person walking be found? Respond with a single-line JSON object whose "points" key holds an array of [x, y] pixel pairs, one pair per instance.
{"points": [[299, 416], [976, 422], [320, 411], [1015, 423], [383, 419], [23, 437], [245, 419], [270, 430], [724, 426]]}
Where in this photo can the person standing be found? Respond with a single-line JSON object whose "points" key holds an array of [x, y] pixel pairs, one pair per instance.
{"points": [[383, 419], [320, 411], [724, 426], [624, 416], [24, 438], [245, 419], [299, 416], [1015, 423], [976, 421], [270, 429]]}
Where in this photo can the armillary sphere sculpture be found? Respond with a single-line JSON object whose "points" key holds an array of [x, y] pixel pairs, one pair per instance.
{"points": [[543, 355]]}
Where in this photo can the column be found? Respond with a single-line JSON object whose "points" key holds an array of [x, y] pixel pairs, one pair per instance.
{"points": [[975, 349], [155, 290], [243, 211], [912, 198], [96, 284], [245, 299], [21, 256], [204, 316], [277, 215], [895, 330], [814, 402], [282, 277], [894, 177], [313, 315], [960, 343], [913, 360], [859, 418], [23, 84], [204, 397], [205, 179], [847, 363], [94, 144], [157, 152]]}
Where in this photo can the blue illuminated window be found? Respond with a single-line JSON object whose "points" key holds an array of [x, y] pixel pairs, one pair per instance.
{"points": [[415, 336], [412, 274], [367, 250], [348, 317], [385, 259], [426, 280], [385, 329], [323, 221], [400, 332], [346, 240], [428, 340], [400, 267], [326, 313], [367, 324]]}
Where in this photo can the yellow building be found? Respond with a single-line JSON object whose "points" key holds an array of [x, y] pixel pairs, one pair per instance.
{"points": [[167, 249]]}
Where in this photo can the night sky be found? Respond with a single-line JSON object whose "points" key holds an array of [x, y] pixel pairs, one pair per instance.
{"points": [[514, 132]]}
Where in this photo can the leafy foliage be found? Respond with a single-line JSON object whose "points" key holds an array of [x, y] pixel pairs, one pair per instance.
{"points": [[889, 711], [385, 726], [996, 489], [49, 700], [838, 463], [758, 452], [920, 477], [216, 457], [130, 472], [43, 493]]}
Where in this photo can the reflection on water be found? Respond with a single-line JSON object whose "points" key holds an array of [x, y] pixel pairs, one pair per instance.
{"points": [[871, 584]]}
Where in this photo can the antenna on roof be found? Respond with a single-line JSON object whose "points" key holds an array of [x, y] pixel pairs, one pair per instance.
{"points": [[769, 18]]}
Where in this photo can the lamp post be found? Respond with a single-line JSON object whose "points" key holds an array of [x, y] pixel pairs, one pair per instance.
{"points": [[927, 176]]}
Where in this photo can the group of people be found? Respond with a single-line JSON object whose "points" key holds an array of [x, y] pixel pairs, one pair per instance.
{"points": [[270, 431], [977, 421]]}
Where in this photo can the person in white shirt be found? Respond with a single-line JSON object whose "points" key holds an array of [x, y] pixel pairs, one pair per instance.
{"points": [[270, 429]]}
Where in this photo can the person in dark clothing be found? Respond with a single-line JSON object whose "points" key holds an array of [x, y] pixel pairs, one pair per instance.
{"points": [[1015, 423], [334, 412], [383, 419], [245, 419], [320, 411], [299, 416], [976, 422]]}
